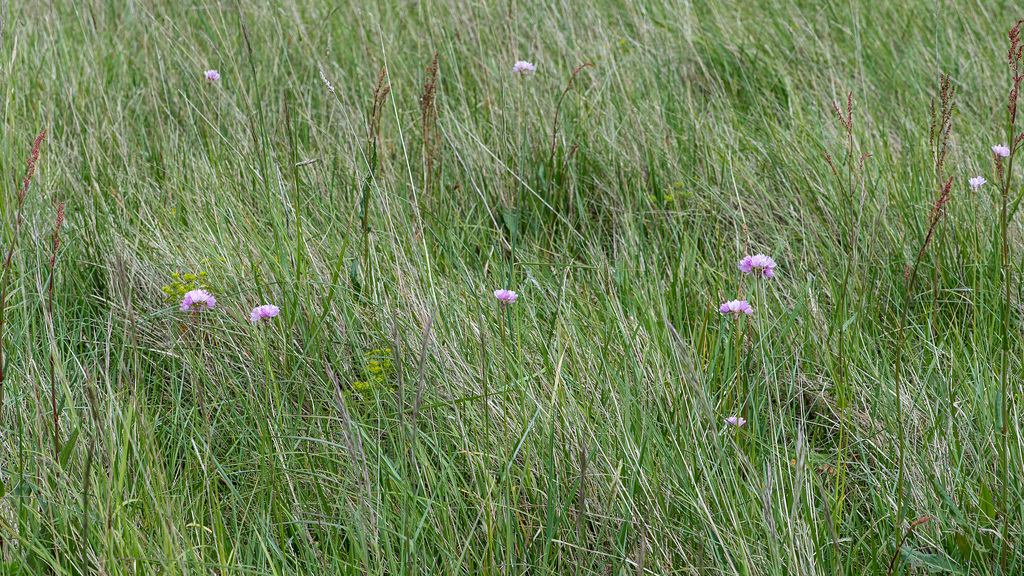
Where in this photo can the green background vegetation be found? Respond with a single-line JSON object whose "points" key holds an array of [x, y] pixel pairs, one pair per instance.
{"points": [[580, 430]]}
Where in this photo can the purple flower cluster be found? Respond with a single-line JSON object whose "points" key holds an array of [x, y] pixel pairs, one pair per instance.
{"points": [[198, 300], [265, 312], [506, 296], [758, 265], [761, 266], [736, 307], [523, 68]]}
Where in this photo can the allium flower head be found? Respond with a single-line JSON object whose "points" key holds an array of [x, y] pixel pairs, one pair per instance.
{"points": [[758, 265], [523, 68], [211, 76], [198, 300], [505, 296], [977, 183], [264, 312], [1000, 150], [736, 421], [736, 307]]}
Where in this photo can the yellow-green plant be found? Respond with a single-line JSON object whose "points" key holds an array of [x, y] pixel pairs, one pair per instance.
{"points": [[378, 368], [184, 283]]}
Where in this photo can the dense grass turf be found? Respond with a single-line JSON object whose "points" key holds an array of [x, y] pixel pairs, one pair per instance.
{"points": [[394, 418]]}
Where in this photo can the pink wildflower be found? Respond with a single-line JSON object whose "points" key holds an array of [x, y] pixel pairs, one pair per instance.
{"points": [[505, 296], [736, 421], [523, 68], [976, 183], [1000, 150], [198, 300], [211, 76], [264, 312], [736, 307], [758, 265]]}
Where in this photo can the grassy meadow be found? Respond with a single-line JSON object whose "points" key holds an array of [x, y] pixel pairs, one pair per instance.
{"points": [[395, 417]]}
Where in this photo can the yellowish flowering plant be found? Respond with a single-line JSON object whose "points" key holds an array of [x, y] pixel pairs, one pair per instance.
{"points": [[182, 284], [378, 368]]}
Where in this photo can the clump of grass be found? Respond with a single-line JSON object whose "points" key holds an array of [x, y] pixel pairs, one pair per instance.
{"points": [[591, 436]]}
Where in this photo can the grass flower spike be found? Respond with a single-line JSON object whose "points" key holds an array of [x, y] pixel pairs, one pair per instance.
{"points": [[265, 312], [211, 76], [1000, 150], [736, 421], [198, 300], [758, 265], [736, 307], [523, 68], [976, 183], [506, 296]]}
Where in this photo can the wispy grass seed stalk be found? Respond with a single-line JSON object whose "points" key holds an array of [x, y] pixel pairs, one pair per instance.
{"points": [[5, 279], [1015, 60], [53, 329]]}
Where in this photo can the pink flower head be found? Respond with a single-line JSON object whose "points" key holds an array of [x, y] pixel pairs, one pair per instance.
{"points": [[198, 300], [1000, 150], [505, 296], [736, 421], [523, 68], [976, 183], [758, 265], [736, 307], [211, 76], [264, 312]]}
